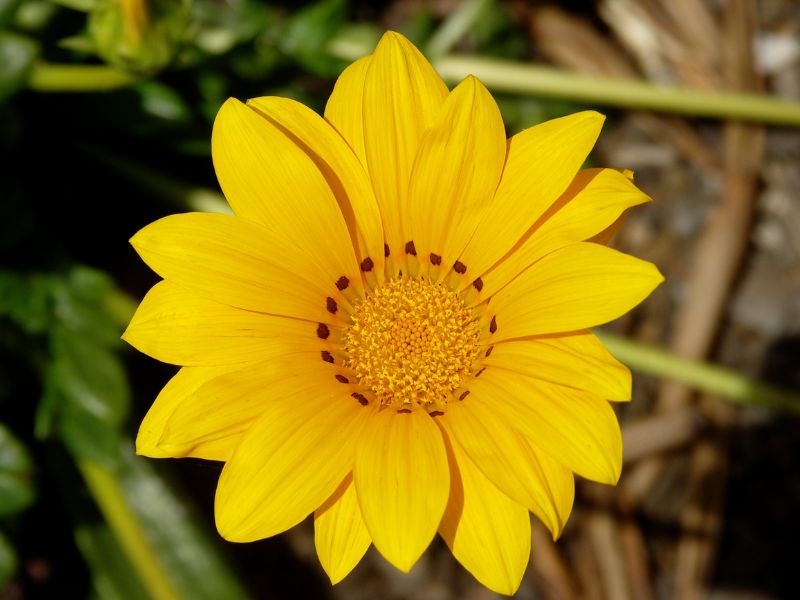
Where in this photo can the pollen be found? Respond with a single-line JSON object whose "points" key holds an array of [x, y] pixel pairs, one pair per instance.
{"points": [[411, 343]]}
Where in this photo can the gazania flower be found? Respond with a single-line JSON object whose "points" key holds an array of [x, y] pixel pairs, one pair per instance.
{"points": [[390, 331]]}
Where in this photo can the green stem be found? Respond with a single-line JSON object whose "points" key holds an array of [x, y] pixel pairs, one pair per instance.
{"points": [[183, 196], [457, 24], [702, 376], [47, 77], [539, 80], [107, 492], [509, 76]]}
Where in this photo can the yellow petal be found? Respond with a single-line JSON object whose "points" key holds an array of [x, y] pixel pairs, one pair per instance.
{"points": [[226, 406], [505, 458], [402, 483], [267, 178], [593, 202], [344, 108], [579, 361], [176, 325], [541, 163], [456, 171], [345, 175], [340, 536], [179, 390], [487, 532], [577, 429], [238, 263], [575, 287], [289, 461], [402, 97]]}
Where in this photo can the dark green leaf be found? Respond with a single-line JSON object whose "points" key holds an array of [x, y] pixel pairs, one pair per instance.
{"points": [[8, 560], [113, 577], [17, 54], [78, 305], [7, 10], [26, 300], [308, 33], [87, 384], [16, 475], [182, 543]]}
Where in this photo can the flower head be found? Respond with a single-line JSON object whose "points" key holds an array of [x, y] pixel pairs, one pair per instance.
{"points": [[391, 330]]}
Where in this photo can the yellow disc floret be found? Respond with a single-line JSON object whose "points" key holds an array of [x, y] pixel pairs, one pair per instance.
{"points": [[411, 343]]}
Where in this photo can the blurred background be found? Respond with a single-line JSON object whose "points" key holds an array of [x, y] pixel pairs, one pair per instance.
{"points": [[105, 120]]}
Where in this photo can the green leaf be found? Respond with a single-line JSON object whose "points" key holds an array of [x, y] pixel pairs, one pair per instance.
{"points": [[26, 300], [8, 560], [16, 476], [113, 577], [17, 54], [163, 102], [308, 33], [87, 383], [78, 305], [7, 10], [183, 545], [81, 5]]}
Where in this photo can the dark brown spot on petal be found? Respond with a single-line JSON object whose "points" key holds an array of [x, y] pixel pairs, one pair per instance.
{"points": [[478, 374], [436, 413], [327, 356], [323, 331], [362, 399], [342, 283], [464, 394], [386, 251], [342, 378], [404, 411], [489, 351], [411, 249], [436, 259], [367, 265], [330, 304], [493, 325], [460, 267], [478, 284]]}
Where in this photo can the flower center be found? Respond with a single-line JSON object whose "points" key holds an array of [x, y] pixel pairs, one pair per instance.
{"points": [[411, 342]]}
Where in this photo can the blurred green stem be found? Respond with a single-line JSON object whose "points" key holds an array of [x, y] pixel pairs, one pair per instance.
{"points": [[538, 80], [702, 376], [47, 77], [181, 195], [457, 24], [106, 489]]}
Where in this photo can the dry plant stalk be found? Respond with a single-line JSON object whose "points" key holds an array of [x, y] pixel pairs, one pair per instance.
{"points": [[551, 576], [655, 434], [701, 518]]}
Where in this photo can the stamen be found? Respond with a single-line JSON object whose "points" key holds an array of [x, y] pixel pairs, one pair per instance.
{"points": [[411, 343]]}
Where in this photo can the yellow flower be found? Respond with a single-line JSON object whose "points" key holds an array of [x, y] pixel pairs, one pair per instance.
{"points": [[391, 331]]}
